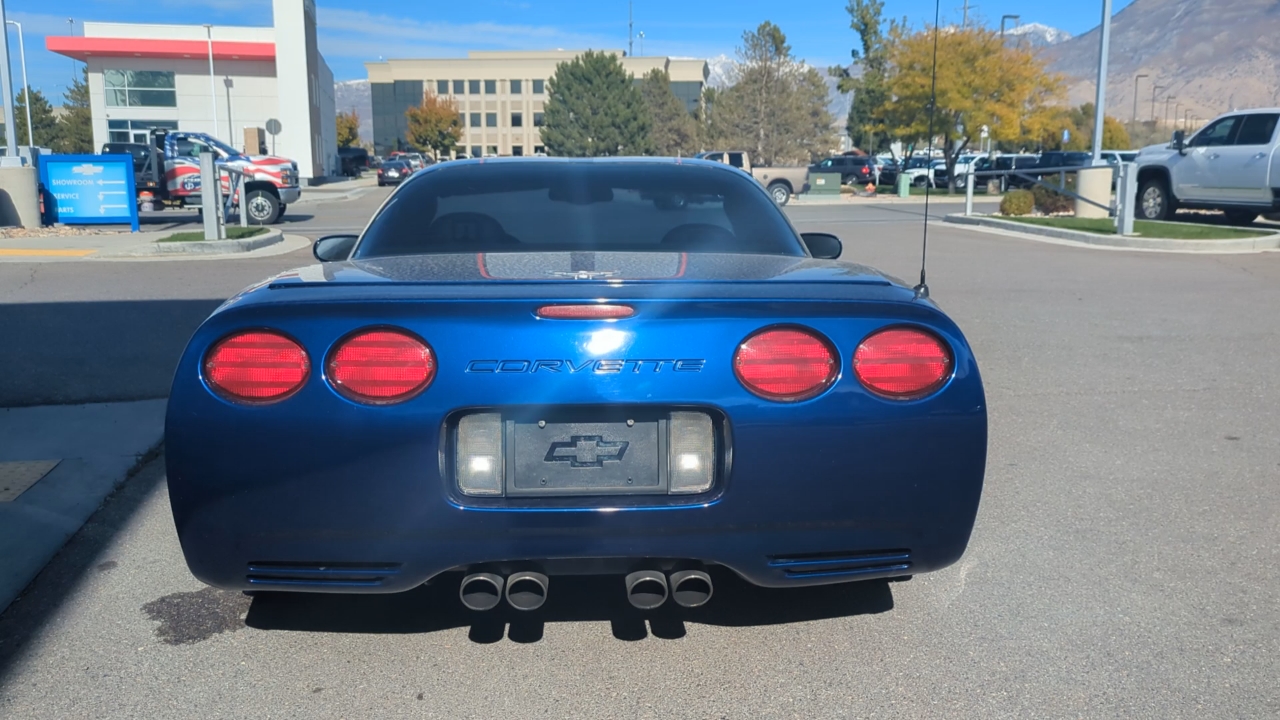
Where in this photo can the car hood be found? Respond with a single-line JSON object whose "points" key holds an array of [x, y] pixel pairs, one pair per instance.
{"points": [[579, 267]]}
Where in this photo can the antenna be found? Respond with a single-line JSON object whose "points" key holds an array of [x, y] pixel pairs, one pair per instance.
{"points": [[630, 26], [922, 290]]}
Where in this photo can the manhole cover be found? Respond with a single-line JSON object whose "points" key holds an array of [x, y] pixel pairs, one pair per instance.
{"points": [[16, 477]]}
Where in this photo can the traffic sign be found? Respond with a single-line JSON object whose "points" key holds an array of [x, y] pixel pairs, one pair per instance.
{"points": [[273, 127], [90, 189]]}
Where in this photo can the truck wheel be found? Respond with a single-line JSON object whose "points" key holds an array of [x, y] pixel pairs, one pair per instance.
{"points": [[919, 181], [263, 207], [1154, 201], [780, 193], [1241, 217]]}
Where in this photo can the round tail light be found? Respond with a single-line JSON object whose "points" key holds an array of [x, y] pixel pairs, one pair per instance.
{"points": [[786, 364], [902, 363], [380, 367], [258, 366]]}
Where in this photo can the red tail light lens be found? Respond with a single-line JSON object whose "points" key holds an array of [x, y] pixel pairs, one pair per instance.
{"points": [[902, 363], [380, 367], [585, 312], [256, 367], [786, 364]]}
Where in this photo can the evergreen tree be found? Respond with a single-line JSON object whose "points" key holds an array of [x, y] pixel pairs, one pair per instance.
{"points": [[75, 127], [673, 130], [869, 87], [44, 124], [777, 109], [594, 108]]}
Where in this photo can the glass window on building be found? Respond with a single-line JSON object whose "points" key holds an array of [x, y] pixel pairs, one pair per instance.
{"points": [[490, 87], [475, 119], [442, 87], [136, 131], [517, 119], [491, 119], [459, 87], [517, 151], [539, 150], [139, 88], [537, 119], [491, 150], [538, 88], [515, 87], [475, 151], [473, 87]]}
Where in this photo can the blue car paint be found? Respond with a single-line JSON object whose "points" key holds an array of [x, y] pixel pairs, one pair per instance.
{"points": [[319, 493]]}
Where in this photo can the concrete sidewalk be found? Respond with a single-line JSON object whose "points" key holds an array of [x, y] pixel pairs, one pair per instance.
{"points": [[142, 246], [57, 464]]}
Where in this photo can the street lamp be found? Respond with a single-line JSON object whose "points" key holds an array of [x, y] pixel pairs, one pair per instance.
{"points": [[1155, 89], [1015, 18], [26, 89], [1167, 100], [640, 37], [1136, 78], [1186, 118], [213, 85], [1100, 105]]}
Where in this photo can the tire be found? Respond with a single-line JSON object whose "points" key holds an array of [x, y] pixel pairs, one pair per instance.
{"points": [[1241, 217], [263, 207], [1155, 202], [919, 181], [780, 193]]}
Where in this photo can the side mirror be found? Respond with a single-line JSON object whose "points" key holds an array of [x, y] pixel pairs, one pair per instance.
{"points": [[822, 245], [1179, 141], [334, 248]]}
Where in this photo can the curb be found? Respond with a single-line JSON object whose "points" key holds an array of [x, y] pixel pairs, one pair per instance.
{"points": [[1257, 244], [854, 200], [218, 247]]}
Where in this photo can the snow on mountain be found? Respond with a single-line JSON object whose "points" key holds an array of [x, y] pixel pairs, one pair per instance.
{"points": [[722, 73], [1038, 35]]}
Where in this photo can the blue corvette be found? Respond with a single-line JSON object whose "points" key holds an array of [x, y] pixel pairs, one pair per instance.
{"points": [[531, 368]]}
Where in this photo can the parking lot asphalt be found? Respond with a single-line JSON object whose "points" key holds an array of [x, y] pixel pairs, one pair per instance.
{"points": [[1124, 563]]}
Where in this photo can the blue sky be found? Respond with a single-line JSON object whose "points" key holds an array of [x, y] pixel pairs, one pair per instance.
{"points": [[352, 31]]}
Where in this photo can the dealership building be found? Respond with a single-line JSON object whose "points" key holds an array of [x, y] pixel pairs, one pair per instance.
{"points": [[500, 95], [158, 76]]}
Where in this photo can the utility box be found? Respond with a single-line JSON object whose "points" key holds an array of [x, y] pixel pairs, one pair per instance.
{"points": [[904, 185], [255, 141], [824, 183]]}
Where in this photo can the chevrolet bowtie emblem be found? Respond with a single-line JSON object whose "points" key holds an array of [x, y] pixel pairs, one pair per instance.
{"points": [[583, 451]]}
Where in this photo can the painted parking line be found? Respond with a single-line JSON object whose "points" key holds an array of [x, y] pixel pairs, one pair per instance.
{"points": [[38, 252]]}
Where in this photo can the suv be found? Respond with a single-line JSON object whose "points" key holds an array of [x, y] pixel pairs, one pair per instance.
{"points": [[852, 168], [1231, 164]]}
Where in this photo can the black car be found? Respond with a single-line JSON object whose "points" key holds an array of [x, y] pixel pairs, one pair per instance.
{"points": [[393, 172], [354, 160], [1001, 168], [853, 169], [139, 151]]}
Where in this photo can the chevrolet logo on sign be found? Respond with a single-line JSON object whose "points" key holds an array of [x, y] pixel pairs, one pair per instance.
{"points": [[583, 451]]}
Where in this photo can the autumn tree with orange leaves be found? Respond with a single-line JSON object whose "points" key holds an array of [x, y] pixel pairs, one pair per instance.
{"points": [[435, 126]]}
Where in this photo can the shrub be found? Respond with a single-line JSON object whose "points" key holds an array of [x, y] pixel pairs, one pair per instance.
{"points": [[1051, 202], [1017, 202]]}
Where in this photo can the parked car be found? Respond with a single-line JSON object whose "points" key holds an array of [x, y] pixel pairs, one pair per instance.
{"points": [[853, 169], [965, 165], [520, 372], [781, 182], [394, 172], [1232, 164], [1000, 169], [355, 160], [921, 170]]}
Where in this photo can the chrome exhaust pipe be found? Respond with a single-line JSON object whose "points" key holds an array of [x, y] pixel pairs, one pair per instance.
{"points": [[646, 589], [481, 591], [691, 588], [527, 590]]}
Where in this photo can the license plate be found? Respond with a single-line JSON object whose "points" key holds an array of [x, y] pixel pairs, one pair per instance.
{"points": [[586, 458]]}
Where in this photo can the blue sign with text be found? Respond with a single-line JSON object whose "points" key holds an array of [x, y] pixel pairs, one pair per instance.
{"points": [[89, 189]]}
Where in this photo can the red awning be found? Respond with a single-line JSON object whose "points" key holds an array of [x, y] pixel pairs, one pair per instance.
{"points": [[82, 48]]}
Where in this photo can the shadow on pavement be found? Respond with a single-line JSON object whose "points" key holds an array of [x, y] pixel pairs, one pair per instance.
{"points": [[105, 351], [435, 607]]}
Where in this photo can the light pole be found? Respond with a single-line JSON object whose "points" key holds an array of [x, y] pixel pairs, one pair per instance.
{"points": [[10, 141], [1015, 18], [1176, 107], [1100, 105], [1136, 78], [1155, 89], [640, 37], [26, 89], [1167, 100], [71, 30], [1186, 119], [213, 85]]}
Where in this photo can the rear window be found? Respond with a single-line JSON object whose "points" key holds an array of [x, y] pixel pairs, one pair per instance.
{"points": [[551, 206]]}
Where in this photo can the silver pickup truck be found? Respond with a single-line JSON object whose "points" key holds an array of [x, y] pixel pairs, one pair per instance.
{"points": [[1231, 164], [781, 182]]}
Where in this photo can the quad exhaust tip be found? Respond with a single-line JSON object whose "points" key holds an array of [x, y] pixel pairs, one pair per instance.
{"points": [[481, 591], [646, 589], [527, 590], [691, 588]]}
